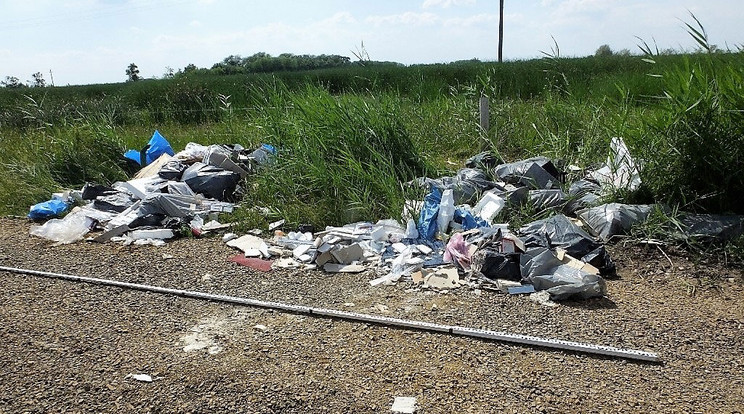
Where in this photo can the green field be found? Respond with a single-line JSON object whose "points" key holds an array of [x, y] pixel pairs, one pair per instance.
{"points": [[349, 137]]}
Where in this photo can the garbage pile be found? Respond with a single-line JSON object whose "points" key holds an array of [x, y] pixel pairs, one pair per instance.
{"points": [[171, 192], [450, 239]]}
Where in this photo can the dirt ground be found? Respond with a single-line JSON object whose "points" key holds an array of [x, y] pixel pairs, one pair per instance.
{"points": [[72, 347]]}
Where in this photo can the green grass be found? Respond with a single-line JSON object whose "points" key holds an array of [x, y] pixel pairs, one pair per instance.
{"points": [[349, 138]]}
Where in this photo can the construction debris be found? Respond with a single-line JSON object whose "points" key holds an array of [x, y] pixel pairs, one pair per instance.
{"points": [[450, 239]]}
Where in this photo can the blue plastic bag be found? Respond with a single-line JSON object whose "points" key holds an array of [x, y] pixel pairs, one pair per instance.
{"points": [[427, 225], [468, 221], [157, 146], [47, 209]]}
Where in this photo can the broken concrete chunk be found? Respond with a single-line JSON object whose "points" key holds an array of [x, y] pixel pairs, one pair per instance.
{"points": [[348, 254]]}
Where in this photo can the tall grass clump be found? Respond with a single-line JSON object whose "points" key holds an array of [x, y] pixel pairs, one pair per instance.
{"points": [[695, 143], [340, 159]]}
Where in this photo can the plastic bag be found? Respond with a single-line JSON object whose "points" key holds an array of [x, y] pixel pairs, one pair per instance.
{"points": [[47, 209], [465, 218], [156, 147], [446, 211], [614, 219], [620, 171], [427, 225], [68, 230], [559, 231], [537, 173], [211, 181], [541, 268], [457, 252]]}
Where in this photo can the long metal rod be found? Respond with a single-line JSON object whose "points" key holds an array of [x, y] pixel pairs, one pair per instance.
{"points": [[359, 317]]}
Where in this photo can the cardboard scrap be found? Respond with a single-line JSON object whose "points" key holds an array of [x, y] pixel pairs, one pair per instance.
{"points": [[153, 168], [575, 263]]}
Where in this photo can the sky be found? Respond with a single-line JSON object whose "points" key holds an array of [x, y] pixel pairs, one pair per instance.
{"points": [[93, 41]]}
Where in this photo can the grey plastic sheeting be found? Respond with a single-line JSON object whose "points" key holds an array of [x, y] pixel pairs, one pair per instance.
{"points": [[466, 185], [711, 226], [541, 268], [213, 182], [582, 194], [547, 199], [560, 231], [536, 173], [609, 220]]}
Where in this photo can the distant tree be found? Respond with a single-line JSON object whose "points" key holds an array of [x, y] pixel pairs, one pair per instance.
{"points": [[190, 68], [12, 82], [603, 50], [39, 81], [169, 73], [623, 52], [132, 73]]}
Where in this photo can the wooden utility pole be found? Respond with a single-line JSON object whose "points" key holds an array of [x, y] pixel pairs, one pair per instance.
{"points": [[501, 29]]}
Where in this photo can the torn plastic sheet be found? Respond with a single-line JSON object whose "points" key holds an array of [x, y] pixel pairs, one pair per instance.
{"points": [[70, 229], [547, 199], [536, 173], [116, 202], [560, 231], [403, 265], [712, 226], [582, 194], [466, 185], [211, 181], [620, 170], [483, 161], [614, 219], [541, 268]]}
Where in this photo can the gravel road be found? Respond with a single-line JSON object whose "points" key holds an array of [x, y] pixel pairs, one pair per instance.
{"points": [[71, 347]]}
